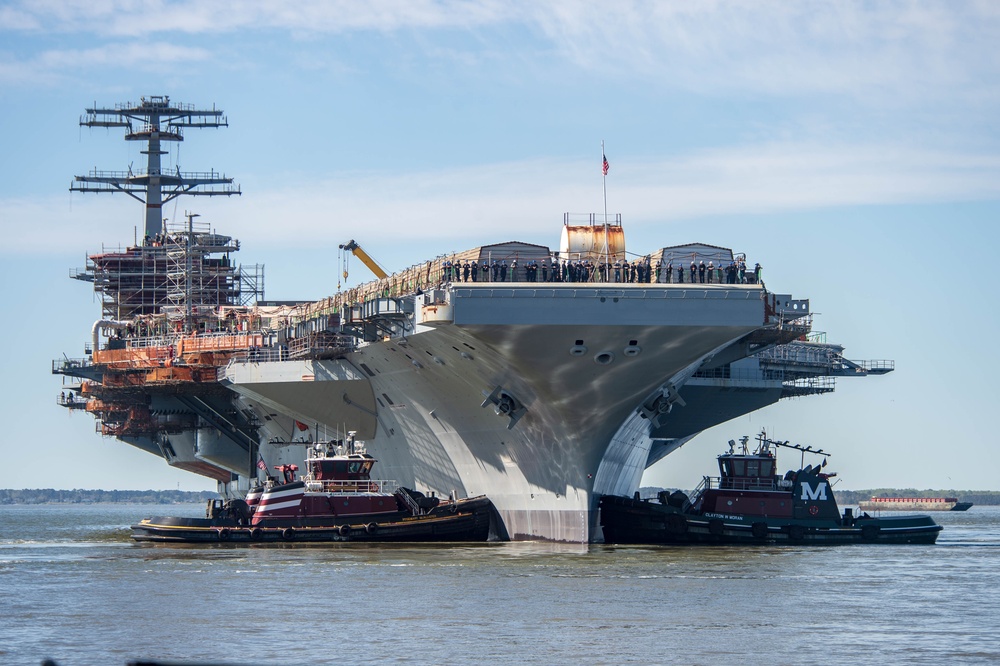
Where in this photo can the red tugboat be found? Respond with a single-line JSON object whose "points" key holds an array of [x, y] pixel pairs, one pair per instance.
{"points": [[749, 503], [337, 500]]}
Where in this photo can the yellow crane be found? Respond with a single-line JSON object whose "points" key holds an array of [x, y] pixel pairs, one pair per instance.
{"points": [[363, 256]]}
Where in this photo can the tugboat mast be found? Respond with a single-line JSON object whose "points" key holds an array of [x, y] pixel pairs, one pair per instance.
{"points": [[156, 120]]}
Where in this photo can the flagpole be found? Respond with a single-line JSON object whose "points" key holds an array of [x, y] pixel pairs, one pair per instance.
{"points": [[604, 170]]}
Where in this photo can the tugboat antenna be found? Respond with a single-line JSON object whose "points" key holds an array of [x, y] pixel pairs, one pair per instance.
{"points": [[764, 441]]}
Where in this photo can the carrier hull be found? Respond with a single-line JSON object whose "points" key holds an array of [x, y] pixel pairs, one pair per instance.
{"points": [[577, 428]]}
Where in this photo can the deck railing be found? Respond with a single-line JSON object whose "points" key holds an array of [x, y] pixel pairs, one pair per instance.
{"points": [[362, 486]]}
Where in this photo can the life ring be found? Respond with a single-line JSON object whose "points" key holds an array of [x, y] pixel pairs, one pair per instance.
{"points": [[288, 534], [344, 530], [796, 532], [371, 528], [870, 532], [716, 527], [224, 534], [759, 530], [675, 523], [813, 510], [256, 533]]}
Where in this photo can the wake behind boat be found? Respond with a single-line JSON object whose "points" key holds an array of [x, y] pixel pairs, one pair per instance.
{"points": [[337, 500], [749, 503]]}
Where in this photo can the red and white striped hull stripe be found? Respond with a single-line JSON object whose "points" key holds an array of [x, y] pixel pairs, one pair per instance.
{"points": [[280, 502]]}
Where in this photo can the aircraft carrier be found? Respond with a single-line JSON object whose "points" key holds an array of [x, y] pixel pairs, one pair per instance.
{"points": [[544, 384]]}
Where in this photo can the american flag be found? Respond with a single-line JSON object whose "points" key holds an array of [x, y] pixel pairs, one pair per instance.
{"points": [[606, 165], [261, 464]]}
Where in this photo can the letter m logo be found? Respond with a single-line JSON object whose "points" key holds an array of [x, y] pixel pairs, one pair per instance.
{"points": [[809, 494]]}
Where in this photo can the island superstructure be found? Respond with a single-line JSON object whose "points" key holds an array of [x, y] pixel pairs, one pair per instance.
{"points": [[541, 393]]}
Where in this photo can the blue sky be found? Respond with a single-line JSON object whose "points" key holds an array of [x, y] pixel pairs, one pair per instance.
{"points": [[851, 148]]}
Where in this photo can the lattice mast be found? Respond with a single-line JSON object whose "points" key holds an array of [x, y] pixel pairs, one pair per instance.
{"points": [[155, 120]]}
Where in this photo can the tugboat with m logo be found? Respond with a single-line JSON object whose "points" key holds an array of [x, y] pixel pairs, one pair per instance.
{"points": [[750, 503]]}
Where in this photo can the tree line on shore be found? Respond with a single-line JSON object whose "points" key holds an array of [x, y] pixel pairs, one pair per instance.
{"points": [[78, 496]]}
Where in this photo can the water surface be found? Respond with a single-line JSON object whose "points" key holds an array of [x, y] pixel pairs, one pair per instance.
{"points": [[74, 588]]}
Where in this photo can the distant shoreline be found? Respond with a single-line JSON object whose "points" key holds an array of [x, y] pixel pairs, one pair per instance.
{"points": [[51, 496]]}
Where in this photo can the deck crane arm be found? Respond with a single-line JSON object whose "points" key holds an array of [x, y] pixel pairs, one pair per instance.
{"points": [[363, 256]]}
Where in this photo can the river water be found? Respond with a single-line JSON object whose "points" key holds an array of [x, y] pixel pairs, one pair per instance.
{"points": [[74, 588]]}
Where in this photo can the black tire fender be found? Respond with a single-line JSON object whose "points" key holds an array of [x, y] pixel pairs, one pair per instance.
{"points": [[759, 530], [288, 534], [716, 527], [371, 528], [675, 523], [224, 534], [870, 532], [796, 532], [344, 530], [256, 534]]}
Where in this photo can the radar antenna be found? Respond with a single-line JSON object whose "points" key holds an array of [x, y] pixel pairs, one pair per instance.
{"points": [[156, 120]]}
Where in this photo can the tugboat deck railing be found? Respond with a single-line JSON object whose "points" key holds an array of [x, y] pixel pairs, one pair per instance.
{"points": [[750, 483], [755, 484], [364, 486]]}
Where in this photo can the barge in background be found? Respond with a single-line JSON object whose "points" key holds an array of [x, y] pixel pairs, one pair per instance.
{"points": [[914, 504], [749, 503]]}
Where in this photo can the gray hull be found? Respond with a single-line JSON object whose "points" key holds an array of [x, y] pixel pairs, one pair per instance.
{"points": [[578, 364]]}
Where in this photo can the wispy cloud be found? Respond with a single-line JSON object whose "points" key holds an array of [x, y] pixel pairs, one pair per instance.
{"points": [[135, 19], [517, 199], [785, 47], [886, 49], [53, 66]]}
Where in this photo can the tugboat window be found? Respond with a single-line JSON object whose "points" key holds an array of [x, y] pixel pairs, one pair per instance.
{"points": [[753, 468], [766, 467], [740, 467]]}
